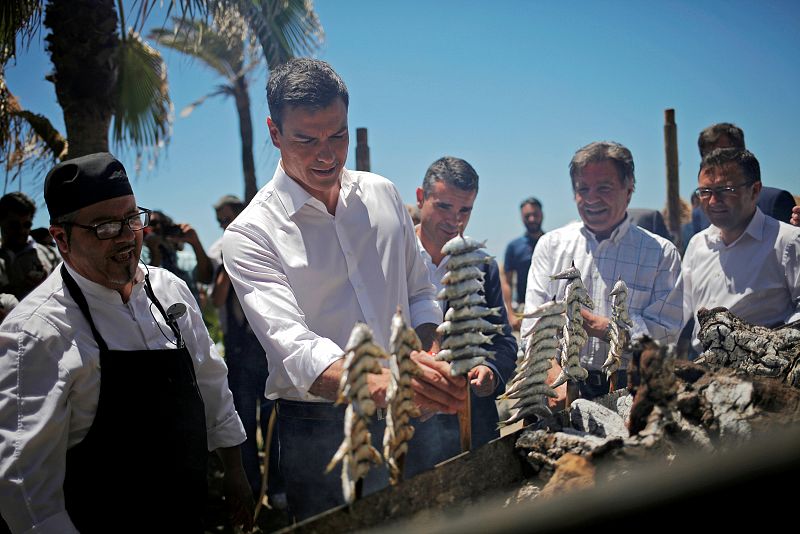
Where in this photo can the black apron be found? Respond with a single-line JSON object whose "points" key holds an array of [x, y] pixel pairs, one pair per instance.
{"points": [[142, 465]]}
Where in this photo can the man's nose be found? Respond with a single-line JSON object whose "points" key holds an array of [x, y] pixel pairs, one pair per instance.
{"points": [[326, 154]]}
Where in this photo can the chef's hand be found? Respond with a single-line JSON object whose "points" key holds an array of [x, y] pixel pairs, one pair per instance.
{"points": [[482, 380], [236, 489], [435, 391], [560, 401]]}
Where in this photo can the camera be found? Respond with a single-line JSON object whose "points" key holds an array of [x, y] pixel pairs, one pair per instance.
{"points": [[172, 230]]}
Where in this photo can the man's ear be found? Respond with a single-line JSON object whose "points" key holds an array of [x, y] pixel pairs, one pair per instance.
{"points": [[420, 197], [756, 189], [60, 235], [274, 133]]}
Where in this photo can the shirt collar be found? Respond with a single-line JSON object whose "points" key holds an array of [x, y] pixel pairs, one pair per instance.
{"points": [[755, 229], [427, 257], [616, 235], [103, 293], [293, 196]]}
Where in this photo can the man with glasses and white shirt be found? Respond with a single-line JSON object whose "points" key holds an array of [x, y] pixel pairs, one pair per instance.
{"points": [[111, 391], [745, 261]]}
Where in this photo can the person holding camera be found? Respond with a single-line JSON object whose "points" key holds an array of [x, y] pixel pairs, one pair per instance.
{"points": [[165, 239]]}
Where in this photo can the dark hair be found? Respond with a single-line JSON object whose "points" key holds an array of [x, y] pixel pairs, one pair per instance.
{"points": [[598, 151], [452, 171], [710, 136], [741, 156], [17, 202], [532, 201], [303, 82]]}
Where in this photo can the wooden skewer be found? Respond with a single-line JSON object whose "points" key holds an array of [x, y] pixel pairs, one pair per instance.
{"points": [[465, 422], [612, 382], [265, 475]]}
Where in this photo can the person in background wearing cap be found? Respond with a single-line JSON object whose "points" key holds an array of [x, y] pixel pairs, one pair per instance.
{"points": [[126, 453]]}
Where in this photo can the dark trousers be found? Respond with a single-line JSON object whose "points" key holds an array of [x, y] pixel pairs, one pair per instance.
{"points": [[247, 376], [596, 384]]}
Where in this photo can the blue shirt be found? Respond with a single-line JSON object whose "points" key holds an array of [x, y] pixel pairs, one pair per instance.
{"points": [[518, 259]]}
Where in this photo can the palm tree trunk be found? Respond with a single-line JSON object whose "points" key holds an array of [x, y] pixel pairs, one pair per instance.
{"points": [[83, 43], [242, 98]]}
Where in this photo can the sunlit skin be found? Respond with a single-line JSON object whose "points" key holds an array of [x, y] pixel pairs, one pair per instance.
{"points": [[532, 218], [601, 197], [108, 262], [446, 210], [225, 216], [731, 213], [313, 145]]}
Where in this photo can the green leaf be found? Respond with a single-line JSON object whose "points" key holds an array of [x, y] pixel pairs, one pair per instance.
{"points": [[143, 109]]}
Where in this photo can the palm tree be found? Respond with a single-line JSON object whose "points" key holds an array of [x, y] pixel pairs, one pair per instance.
{"points": [[104, 72], [230, 49]]}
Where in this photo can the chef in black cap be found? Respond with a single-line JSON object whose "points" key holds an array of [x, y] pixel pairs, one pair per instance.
{"points": [[111, 391]]}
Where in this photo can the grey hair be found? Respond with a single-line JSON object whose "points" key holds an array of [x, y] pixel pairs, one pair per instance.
{"points": [[599, 151]]}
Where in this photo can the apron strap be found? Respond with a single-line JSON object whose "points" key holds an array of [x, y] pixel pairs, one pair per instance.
{"points": [[77, 295]]}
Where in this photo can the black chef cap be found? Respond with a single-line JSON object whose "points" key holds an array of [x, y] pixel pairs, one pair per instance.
{"points": [[80, 182]]}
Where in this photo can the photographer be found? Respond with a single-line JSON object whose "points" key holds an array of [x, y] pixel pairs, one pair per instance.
{"points": [[165, 239]]}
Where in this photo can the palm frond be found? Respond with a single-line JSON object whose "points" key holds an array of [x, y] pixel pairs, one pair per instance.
{"points": [[222, 90], [28, 142], [284, 28], [18, 17], [196, 39], [143, 109]]}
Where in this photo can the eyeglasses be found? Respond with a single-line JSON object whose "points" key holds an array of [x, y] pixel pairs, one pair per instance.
{"points": [[729, 191], [112, 229]]}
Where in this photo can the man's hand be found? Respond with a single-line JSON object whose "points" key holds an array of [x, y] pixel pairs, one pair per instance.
{"points": [[595, 325], [559, 402], [514, 320], [482, 380], [435, 391], [189, 235], [795, 219], [238, 496]]}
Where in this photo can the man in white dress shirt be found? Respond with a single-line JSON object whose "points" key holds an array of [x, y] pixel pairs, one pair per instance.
{"points": [[109, 403], [745, 261], [319, 249], [606, 246]]}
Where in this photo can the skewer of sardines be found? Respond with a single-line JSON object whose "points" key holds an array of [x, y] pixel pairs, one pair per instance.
{"points": [[618, 331], [541, 345], [465, 327], [575, 336], [399, 397], [362, 356]]}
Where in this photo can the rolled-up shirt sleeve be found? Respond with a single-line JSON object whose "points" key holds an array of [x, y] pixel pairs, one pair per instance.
{"points": [[540, 286], [295, 354]]}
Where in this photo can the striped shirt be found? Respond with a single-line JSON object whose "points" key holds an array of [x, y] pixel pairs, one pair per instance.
{"points": [[649, 265]]}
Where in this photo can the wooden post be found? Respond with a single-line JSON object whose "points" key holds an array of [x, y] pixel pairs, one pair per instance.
{"points": [[673, 190], [465, 422], [362, 150]]}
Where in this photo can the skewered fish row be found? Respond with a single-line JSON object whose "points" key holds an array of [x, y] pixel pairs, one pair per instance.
{"points": [[528, 384], [399, 396], [574, 335], [362, 356], [465, 327], [618, 328]]}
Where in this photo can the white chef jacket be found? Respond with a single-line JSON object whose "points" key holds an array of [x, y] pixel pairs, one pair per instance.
{"points": [[304, 277], [757, 277], [50, 384], [649, 265]]}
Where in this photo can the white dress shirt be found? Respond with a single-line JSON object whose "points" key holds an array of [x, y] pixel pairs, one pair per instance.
{"points": [[50, 384], [757, 277], [649, 265], [304, 277]]}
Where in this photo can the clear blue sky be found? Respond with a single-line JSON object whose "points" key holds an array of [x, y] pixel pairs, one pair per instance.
{"points": [[512, 87]]}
